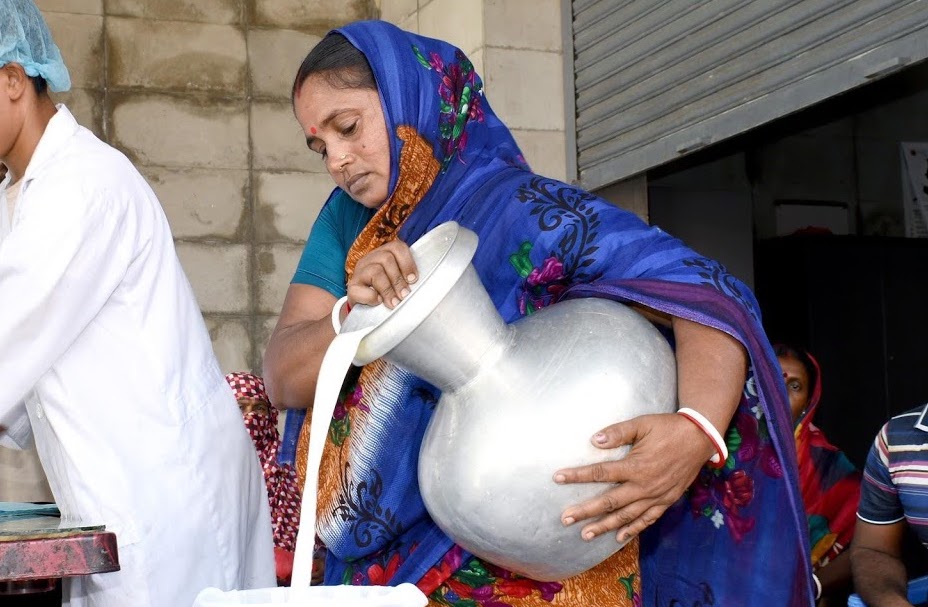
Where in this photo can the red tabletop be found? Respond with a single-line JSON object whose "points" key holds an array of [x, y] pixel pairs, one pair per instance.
{"points": [[41, 547]]}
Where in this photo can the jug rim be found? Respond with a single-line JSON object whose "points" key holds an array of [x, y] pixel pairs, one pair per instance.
{"points": [[442, 255]]}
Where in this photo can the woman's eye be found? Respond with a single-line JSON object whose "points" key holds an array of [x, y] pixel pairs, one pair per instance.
{"points": [[316, 146], [795, 386], [350, 129]]}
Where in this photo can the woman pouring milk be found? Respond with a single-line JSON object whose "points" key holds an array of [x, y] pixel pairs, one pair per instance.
{"points": [[411, 142]]}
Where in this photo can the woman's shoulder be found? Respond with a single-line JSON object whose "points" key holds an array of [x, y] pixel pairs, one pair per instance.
{"points": [[347, 216], [339, 222], [340, 201], [341, 208]]}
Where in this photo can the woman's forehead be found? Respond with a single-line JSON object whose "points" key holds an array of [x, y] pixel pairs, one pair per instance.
{"points": [[792, 364], [319, 92]]}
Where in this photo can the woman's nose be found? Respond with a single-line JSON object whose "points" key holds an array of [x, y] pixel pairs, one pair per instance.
{"points": [[337, 159]]}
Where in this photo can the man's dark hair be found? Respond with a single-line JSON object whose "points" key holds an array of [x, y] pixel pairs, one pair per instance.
{"points": [[342, 65]]}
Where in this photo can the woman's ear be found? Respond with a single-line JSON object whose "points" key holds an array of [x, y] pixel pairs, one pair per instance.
{"points": [[15, 82]]}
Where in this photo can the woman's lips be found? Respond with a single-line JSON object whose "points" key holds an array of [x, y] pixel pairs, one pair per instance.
{"points": [[355, 181]]}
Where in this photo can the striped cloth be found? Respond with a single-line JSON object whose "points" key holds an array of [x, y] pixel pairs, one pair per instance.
{"points": [[895, 483], [284, 497]]}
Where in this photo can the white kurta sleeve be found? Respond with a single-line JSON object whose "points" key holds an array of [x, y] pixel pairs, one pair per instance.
{"points": [[58, 267], [18, 434]]}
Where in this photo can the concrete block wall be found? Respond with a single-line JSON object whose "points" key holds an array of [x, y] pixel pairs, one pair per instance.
{"points": [[196, 93], [516, 46]]}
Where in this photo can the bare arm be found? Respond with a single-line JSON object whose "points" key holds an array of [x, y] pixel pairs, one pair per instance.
{"points": [[876, 560], [668, 450], [297, 345], [304, 330], [835, 577], [711, 371]]}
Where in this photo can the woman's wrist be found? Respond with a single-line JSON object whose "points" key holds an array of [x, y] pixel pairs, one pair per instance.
{"points": [[720, 456], [818, 587]]}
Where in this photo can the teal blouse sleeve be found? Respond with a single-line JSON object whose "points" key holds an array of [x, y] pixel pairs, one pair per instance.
{"points": [[338, 225]]}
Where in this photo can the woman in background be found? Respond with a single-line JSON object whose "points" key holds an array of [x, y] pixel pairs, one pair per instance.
{"points": [[829, 482]]}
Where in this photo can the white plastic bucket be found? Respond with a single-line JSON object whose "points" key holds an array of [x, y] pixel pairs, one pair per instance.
{"points": [[404, 595]]}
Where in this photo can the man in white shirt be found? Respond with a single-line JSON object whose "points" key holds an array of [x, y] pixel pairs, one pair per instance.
{"points": [[105, 358]]}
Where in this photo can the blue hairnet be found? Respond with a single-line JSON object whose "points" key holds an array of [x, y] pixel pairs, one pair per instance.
{"points": [[25, 39]]}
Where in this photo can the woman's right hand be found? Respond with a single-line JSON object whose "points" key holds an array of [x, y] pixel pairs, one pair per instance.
{"points": [[383, 276]]}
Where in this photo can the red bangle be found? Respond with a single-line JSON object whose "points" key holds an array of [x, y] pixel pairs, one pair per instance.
{"points": [[347, 307], [718, 460]]}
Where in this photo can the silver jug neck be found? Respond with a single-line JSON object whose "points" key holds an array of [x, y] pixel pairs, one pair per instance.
{"points": [[447, 328], [462, 335]]}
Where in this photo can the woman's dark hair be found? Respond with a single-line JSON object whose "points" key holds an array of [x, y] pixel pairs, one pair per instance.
{"points": [[802, 356], [342, 65], [39, 83]]}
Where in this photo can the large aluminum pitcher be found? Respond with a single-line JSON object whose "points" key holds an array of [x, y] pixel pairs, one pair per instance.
{"points": [[518, 402]]}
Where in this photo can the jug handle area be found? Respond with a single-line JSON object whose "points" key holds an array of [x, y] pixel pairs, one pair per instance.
{"points": [[336, 312]]}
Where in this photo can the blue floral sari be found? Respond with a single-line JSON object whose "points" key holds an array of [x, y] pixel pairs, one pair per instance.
{"points": [[737, 537]]}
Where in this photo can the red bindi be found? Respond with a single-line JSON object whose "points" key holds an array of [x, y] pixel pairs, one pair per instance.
{"points": [[312, 130]]}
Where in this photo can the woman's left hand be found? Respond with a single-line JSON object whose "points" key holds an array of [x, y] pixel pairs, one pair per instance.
{"points": [[667, 453], [668, 450]]}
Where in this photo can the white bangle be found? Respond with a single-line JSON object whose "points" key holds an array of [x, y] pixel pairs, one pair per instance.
{"points": [[336, 312], [818, 587], [721, 456]]}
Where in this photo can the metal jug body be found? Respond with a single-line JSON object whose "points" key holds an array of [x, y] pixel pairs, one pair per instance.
{"points": [[518, 402]]}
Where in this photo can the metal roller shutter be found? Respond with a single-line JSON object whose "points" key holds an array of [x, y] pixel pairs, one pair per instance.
{"points": [[655, 80]]}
